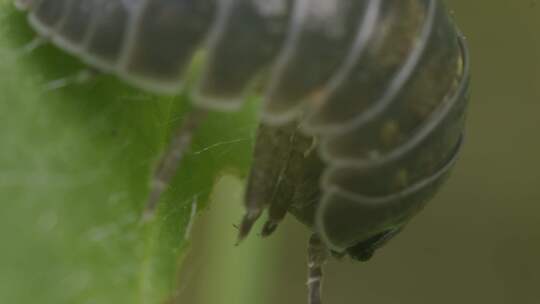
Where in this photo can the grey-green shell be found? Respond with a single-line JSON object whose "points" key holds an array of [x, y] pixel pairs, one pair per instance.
{"points": [[380, 84]]}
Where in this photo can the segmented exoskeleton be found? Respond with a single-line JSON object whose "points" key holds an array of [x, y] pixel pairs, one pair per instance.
{"points": [[363, 100]]}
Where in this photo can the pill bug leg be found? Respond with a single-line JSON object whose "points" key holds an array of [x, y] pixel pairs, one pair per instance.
{"points": [[32, 45], [317, 256], [81, 77], [170, 161]]}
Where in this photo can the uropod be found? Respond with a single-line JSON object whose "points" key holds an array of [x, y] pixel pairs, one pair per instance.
{"points": [[363, 100]]}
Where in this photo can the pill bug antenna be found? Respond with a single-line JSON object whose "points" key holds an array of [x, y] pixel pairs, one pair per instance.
{"points": [[192, 216], [171, 159], [317, 256]]}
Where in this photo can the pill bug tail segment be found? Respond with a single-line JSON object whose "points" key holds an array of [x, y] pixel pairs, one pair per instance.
{"points": [[170, 161], [317, 256]]}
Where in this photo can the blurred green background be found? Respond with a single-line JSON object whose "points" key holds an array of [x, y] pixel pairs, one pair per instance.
{"points": [[478, 241]]}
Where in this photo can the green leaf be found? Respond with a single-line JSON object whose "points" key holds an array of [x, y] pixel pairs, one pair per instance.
{"points": [[75, 164]]}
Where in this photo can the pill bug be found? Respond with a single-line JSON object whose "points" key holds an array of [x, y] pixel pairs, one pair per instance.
{"points": [[363, 101]]}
